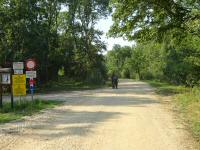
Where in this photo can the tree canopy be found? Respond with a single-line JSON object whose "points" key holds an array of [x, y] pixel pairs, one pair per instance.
{"points": [[167, 37], [57, 33], [136, 19]]}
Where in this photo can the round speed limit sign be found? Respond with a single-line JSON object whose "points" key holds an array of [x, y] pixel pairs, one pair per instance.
{"points": [[30, 64]]}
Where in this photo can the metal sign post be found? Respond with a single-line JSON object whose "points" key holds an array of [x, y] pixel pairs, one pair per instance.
{"points": [[30, 64], [31, 82], [19, 85], [18, 81], [32, 92], [12, 97], [18, 65], [5, 80], [31, 74], [1, 92]]}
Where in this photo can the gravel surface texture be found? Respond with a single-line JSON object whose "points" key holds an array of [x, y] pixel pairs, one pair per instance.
{"points": [[128, 118]]}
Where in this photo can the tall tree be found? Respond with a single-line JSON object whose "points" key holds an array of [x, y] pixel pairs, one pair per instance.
{"points": [[138, 19], [39, 29]]}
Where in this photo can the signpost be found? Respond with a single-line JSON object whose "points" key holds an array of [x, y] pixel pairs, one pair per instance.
{"points": [[19, 85], [31, 74], [30, 64], [5, 80], [31, 83], [18, 71], [17, 82], [18, 65]]}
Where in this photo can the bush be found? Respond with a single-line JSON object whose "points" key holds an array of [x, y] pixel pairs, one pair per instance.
{"points": [[95, 76], [189, 103], [125, 73], [147, 76]]}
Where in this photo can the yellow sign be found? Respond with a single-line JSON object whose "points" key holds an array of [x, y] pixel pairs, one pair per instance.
{"points": [[19, 79], [19, 85], [19, 90]]}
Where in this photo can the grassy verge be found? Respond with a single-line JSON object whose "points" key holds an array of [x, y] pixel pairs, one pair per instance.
{"points": [[69, 85], [189, 104], [164, 88], [187, 100], [24, 108]]}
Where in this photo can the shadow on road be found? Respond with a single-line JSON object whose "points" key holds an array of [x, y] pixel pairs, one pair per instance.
{"points": [[68, 122], [79, 115]]}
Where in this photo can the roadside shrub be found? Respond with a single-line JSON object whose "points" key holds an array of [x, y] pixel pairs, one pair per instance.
{"points": [[125, 73], [189, 103], [147, 76], [95, 76]]}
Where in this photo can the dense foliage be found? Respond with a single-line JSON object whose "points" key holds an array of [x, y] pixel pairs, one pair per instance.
{"points": [[140, 62], [59, 34], [167, 36]]}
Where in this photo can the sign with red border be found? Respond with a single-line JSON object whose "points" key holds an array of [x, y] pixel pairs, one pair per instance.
{"points": [[30, 64]]}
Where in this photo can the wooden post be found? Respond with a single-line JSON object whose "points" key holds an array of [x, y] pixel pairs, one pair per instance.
{"points": [[11, 87], [1, 92], [6, 71]]}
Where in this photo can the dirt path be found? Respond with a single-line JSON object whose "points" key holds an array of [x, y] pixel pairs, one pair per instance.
{"points": [[129, 118]]}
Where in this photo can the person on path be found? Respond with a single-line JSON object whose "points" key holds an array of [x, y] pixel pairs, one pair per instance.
{"points": [[114, 81]]}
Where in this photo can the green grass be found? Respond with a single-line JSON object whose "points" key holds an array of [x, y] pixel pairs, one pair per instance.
{"points": [[189, 104], [164, 88], [24, 108], [186, 100], [68, 85]]}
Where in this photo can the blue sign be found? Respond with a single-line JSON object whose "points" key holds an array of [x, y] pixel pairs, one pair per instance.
{"points": [[32, 88]]}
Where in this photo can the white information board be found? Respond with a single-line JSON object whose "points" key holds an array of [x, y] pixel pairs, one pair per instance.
{"points": [[6, 78], [18, 65], [31, 74], [18, 71]]}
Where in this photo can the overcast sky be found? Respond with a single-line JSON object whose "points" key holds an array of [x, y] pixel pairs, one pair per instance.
{"points": [[104, 25]]}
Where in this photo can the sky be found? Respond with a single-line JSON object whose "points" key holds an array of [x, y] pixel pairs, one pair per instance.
{"points": [[104, 25]]}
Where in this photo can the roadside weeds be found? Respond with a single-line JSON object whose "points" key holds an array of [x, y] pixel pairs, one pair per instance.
{"points": [[25, 108], [184, 101]]}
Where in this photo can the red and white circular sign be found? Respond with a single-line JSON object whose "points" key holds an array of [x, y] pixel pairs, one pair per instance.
{"points": [[30, 64]]}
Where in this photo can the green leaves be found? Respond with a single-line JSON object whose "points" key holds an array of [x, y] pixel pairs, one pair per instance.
{"points": [[117, 60], [135, 18], [167, 35], [38, 29]]}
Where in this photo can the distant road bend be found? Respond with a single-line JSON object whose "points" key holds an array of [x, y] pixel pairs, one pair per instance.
{"points": [[129, 118]]}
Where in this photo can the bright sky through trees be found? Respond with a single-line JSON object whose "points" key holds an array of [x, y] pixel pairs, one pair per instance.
{"points": [[104, 25]]}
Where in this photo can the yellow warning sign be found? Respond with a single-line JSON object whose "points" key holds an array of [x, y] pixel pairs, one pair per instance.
{"points": [[19, 79], [19, 90], [19, 85]]}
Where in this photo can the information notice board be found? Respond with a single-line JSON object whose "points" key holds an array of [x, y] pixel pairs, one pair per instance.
{"points": [[19, 85]]}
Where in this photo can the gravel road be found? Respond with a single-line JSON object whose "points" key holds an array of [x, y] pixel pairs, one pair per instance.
{"points": [[128, 118]]}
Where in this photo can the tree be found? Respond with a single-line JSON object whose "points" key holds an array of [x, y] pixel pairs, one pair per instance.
{"points": [[80, 29], [167, 36], [116, 60], [56, 39], [138, 19]]}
